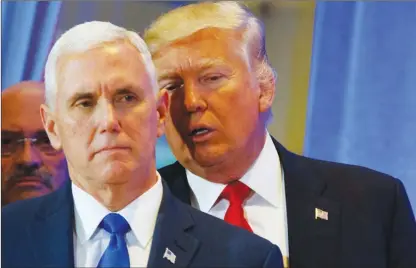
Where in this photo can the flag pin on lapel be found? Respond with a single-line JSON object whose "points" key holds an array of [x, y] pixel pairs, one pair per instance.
{"points": [[321, 214], [169, 255]]}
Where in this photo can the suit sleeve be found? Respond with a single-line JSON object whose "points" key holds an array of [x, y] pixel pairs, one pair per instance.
{"points": [[274, 258], [402, 242]]}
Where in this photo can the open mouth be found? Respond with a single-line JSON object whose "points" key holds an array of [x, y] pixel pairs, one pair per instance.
{"points": [[199, 131], [201, 134]]}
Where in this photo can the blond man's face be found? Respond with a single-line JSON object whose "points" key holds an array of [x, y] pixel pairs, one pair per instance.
{"points": [[213, 96]]}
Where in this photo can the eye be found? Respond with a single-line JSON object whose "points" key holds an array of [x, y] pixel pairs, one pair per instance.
{"points": [[6, 141], [84, 103], [42, 140], [212, 78], [126, 98], [173, 86]]}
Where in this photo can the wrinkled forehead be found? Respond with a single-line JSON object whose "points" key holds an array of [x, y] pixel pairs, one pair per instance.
{"points": [[21, 101], [203, 49], [21, 111], [108, 66]]}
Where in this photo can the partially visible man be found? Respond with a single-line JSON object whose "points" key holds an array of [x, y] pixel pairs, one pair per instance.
{"points": [[211, 58], [30, 166], [104, 110]]}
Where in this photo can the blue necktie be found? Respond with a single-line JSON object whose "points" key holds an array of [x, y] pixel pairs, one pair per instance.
{"points": [[116, 254]]}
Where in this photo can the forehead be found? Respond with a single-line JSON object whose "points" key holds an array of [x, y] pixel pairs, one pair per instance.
{"points": [[20, 110], [109, 66], [204, 48]]}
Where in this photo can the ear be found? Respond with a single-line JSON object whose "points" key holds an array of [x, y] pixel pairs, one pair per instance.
{"points": [[49, 123], [162, 108], [267, 93]]}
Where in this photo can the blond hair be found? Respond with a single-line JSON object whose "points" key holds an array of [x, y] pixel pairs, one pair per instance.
{"points": [[184, 21]]}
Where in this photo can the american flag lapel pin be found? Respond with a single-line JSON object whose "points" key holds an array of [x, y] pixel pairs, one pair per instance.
{"points": [[321, 214], [169, 255]]}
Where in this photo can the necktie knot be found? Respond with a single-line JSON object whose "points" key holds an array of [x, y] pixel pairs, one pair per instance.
{"points": [[114, 223], [236, 193], [116, 254]]}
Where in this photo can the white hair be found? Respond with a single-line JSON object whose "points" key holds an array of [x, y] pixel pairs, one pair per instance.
{"points": [[84, 37], [186, 20]]}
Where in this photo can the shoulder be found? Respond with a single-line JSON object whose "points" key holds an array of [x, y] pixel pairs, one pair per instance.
{"points": [[16, 219], [172, 172], [21, 213], [357, 188], [346, 176], [340, 176]]}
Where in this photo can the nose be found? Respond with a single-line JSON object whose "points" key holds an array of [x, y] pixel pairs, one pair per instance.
{"points": [[29, 156], [108, 118], [193, 100]]}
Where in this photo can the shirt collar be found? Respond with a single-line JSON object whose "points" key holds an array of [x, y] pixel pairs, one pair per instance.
{"points": [[141, 213], [264, 177]]}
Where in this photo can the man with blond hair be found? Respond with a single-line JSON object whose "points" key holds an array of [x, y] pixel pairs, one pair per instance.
{"points": [[211, 59], [104, 110]]}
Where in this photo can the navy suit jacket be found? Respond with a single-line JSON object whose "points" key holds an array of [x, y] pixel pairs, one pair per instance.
{"points": [[370, 221], [39, 233]]}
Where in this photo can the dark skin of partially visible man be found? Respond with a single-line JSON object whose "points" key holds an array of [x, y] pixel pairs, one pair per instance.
{"points": [[30, 167]]}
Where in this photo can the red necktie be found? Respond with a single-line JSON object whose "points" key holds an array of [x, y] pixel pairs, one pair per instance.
{"points": [[236, 193]]}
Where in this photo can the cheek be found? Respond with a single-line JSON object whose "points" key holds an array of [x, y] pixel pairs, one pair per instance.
{"points": [[141, 125], [172, 131], [77, 131], [6, 165], [6, 170], [55, 163], [176, 115], [236, 111]]}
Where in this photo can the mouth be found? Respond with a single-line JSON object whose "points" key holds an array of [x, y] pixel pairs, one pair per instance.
{"points": [[30, 182], [113, 149], [199, 134]]}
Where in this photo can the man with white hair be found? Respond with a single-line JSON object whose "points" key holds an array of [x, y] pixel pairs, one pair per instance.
{"points": [[103, 109], [211, 59]]}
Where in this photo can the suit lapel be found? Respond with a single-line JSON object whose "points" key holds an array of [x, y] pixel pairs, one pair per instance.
{"points": [[52, 230], [314, 241], [172, 246]]}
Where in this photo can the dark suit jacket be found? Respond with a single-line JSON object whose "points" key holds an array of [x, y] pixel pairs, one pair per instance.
{"points": [[370, 221], [39, 233]]}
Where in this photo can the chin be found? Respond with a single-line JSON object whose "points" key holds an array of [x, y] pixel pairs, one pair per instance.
{"points": [[209, 156], [115, 173], [23, 195]]}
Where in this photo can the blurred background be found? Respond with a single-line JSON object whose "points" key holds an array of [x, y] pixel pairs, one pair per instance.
{"points": [[346, 88]]}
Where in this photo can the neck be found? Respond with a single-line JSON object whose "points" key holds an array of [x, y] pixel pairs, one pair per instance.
{"points": [[116, 196], [236, 164]]}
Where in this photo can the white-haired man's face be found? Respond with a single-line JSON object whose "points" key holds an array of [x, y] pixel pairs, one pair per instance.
{"points": [[106, 118]]}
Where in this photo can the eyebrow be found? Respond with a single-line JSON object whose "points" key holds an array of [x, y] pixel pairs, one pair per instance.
{"points": [[125, 90], [128, 89], [38, 133], [202, 65], [11, 133]]}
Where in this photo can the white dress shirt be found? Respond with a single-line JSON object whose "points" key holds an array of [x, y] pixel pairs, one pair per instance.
{"points": [[90, 241], [265, 209]]}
